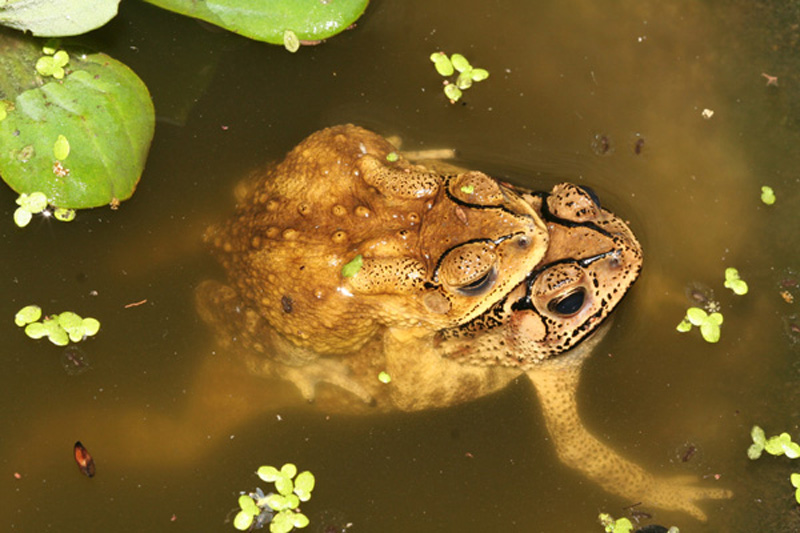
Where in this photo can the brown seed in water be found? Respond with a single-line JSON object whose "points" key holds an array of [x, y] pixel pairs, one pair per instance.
{"points": [[84, 459]]}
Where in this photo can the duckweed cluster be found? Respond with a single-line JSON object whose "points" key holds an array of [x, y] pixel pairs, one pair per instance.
{"points": [[281, 509], [52, 63], [37, 203], [776, 445], [467, 74], [767, 195], [623, 525], [60, 329], [709, 323]]}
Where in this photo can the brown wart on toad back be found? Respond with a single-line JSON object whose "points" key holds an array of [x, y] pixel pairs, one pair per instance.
{"points": [[464, 284]]}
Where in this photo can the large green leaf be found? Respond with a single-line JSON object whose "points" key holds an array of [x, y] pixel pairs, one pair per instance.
{"points": [[267, 20], [100, 109], [56, 18]]}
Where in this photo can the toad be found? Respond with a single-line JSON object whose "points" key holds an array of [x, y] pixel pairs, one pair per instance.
{"points": [[346, 260]]}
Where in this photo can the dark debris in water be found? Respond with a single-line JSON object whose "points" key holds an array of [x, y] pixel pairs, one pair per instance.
{"points": [[75, 361]]}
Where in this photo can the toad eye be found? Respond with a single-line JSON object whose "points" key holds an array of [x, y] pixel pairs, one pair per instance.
{"points": [[481, 285], [568, 304]]}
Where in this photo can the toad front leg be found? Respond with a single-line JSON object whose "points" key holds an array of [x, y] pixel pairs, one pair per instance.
{"points": [[556, 383]]}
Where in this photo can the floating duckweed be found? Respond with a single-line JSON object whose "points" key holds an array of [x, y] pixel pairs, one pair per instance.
{"points": [[22, 217], [351, 269], [61, 148], [392, 157], [795, 479], [290, 41], [767, 195], [479, 74], [460, 63], [452, 92], [60, 329], [734, 282], [467, 75], [63, 214], [53, 65], [36, 202], [776, 445], [28, 314], [29, 205], [442, 63], [384, 377], [709, 324], [280, 509], [468, 189], [3, 110], [620, 525], [464, 80]]}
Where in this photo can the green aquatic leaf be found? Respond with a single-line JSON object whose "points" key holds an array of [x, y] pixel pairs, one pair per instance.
{"points": [[310, 20], [479, 74], [61, 148], [28, 314], [248, 505], [391, 157], [696, 316], [710, 332], [63, 214], [35, 202], [36, 330], [384, 377], [776, 445], [684, 326], [795, 479], [442, 64], [464, 80], [277, 502], [268, 473], [734, 282], [767, 195], [299, 520], [303, 485], [289, 470], [460, 62], [353, 266], [22, 217], [758, 436], [56, 18], [242, 521], [282, 522], [284, 485], [90, 326], [290, 41], [101, 106], [452, 92]]}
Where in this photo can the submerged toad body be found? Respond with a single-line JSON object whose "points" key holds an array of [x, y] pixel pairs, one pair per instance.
{"points": [[457, 285]]}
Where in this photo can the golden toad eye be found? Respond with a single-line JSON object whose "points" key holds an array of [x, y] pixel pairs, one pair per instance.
{"points": [[568, 304], [481, 285]]}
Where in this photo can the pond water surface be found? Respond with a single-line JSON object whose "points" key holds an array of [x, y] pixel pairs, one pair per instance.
{"points": [[606, 95]]}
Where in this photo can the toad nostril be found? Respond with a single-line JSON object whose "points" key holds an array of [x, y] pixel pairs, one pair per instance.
{"points": [[523, 241]]}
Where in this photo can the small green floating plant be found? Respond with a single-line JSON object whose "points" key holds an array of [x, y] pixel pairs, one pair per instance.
{"points": [[767, 195], [709, 323], [280, 510], [622, 525], [60, 329], [776, 445], [467, 74], [36, 203]]}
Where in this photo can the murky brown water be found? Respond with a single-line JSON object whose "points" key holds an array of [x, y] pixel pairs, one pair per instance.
{"points": [[574, 85]]}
